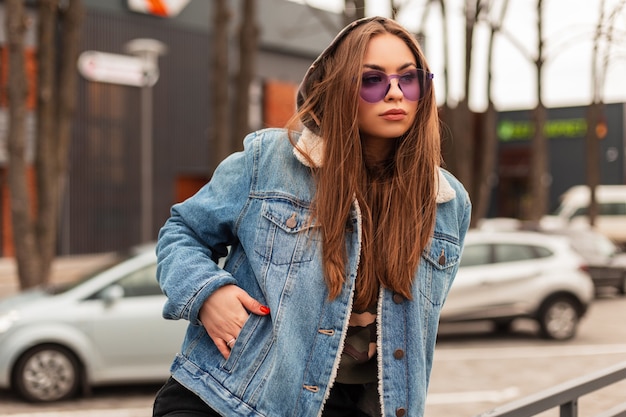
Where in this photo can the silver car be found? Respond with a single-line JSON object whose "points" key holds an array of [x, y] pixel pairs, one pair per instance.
{"points": [[504, 276], [106, 329]]}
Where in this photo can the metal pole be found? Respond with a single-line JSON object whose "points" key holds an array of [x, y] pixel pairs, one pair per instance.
{"points": [[146, 163], [148, 50]]}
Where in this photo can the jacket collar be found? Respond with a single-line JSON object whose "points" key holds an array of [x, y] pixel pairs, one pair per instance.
{"points": [[313, 145]]}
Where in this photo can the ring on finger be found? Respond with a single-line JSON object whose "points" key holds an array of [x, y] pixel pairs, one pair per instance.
{"points": [[230, 343]]}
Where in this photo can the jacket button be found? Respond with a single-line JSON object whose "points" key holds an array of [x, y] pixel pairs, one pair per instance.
{"points": [[398, 354], [400, 412], [291, 222], [442, 257], [398, 299]]}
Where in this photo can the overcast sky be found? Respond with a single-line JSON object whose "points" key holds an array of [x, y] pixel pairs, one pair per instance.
{"points": [[568, 31]]}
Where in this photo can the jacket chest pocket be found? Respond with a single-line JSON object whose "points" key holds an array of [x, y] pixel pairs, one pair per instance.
{"points": [[284, 233], [438, 267]]}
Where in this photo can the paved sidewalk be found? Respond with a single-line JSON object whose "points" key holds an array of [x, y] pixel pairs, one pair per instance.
{"points": [[64, 269]]}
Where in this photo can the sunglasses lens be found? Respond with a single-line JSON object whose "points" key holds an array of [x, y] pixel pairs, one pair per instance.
{"points": [[410, 85], [376, 84]]}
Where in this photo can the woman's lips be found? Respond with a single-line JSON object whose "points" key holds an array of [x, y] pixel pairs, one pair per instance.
{"points": [[394, 114]]}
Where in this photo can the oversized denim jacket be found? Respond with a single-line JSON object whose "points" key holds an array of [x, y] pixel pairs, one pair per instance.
{"points": [[284, 364]]}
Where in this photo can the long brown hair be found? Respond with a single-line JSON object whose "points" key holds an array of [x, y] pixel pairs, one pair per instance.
{"points": [[397, 202]]}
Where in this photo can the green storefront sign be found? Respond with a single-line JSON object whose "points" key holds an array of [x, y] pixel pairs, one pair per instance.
{"points": [[510, 130]]}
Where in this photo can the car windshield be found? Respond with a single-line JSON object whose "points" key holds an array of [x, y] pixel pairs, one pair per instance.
{"points": [[54, 289], [558, 210]]}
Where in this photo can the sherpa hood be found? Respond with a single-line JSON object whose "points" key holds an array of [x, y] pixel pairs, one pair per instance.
{"points": [[315, 72]]}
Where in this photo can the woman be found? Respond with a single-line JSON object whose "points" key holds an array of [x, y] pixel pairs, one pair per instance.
{"points": [[344, 240]]}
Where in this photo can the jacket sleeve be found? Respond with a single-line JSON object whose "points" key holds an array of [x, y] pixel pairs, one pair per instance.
{"points": [[198, 233], [464, 221], [462, 214]]}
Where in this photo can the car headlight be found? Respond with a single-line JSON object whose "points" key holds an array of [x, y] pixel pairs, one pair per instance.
{"points": [[7, 319]]}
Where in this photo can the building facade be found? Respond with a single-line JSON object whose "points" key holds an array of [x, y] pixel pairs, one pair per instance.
{"points": [[105, 205], [565, 131]]}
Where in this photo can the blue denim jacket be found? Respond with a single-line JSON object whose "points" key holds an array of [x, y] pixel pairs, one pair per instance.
{"points": [[284, 364]]}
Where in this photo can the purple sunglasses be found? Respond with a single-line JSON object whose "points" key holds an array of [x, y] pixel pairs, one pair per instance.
{"points": [[413, 83]]}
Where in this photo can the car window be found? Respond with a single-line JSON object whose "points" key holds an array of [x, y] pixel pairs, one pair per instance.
{"points": [[580, 211], [604, 209], [140, 283], [542, 252], [510, 252], [478, 254], [612, 209], [64, 287], [560, 209]]}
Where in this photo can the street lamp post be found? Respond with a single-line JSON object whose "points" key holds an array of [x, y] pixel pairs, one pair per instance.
{"points": [[148, 51]]}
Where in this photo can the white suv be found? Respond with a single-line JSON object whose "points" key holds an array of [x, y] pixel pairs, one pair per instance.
{"points": [[572, 213], [504, 276]]}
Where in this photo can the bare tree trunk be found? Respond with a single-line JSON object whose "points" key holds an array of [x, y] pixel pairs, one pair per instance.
{"points": [[46, 138], [422, 24], [23, 233], [395, 9], [248, 37], [446, 110], [353, 10], [36, 223], [221, 122], [592, 157], [461, 120], [471, 17], [446, 52], [599, 69], [593, 116], [595, 111], [487, 175], [72, 17], [539, 175], [462, 129]]}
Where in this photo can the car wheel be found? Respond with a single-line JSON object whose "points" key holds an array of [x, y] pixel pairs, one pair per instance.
{"points": [[558, 318], [46, 373]]}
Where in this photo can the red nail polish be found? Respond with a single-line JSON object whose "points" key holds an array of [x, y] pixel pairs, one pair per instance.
{"points": [[265, 309]]}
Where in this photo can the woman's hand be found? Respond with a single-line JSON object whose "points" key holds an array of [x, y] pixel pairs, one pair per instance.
{"points": [[225, 312]]}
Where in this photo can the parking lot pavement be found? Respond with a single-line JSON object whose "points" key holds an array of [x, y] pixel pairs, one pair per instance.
{"points": [[64, 269], [476, 370], [122, 412]]}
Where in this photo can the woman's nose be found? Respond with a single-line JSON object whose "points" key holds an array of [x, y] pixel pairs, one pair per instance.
{"points": [[394, 91]]}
